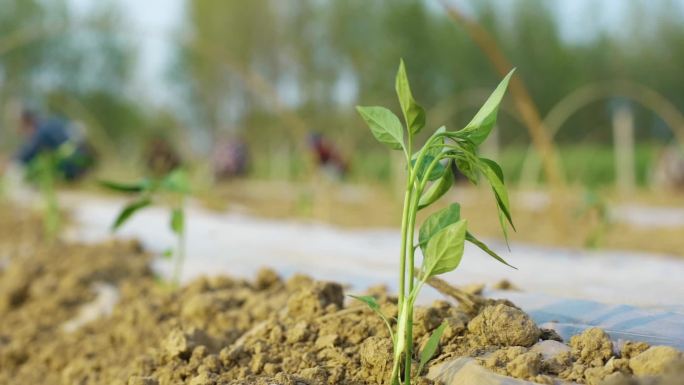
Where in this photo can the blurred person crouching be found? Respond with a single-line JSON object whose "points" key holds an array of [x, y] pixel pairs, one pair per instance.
{"points": [[669, 169], [160, 156], [327, 157], [75, 156], [230, 159]]}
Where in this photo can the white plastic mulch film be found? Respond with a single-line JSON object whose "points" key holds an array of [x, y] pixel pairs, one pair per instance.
{"points": [[568, 317]]}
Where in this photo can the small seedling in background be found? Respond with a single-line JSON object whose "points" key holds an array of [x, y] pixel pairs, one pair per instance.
{"points": [[42, 171], [46, 170], [595, 210], [443, 234], [171, 190]]}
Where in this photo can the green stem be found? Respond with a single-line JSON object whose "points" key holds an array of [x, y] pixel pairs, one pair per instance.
{"points": [[180, 252], [402, 256], [411, 266], [418, 186], [394, 379], [180, 258], [47, 182]]}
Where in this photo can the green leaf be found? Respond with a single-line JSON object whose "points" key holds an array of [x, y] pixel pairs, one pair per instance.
{"points": [[134, 187], [436, 171], [444, 250], [438, 188], [167, 254], [384, 125], [177, 221], [467, 169], [437, 222], [369, 300], [375, 307], [471, 238], [494, 175], [431, 347], [176, 181], [414, 115], [129, 210], [437, 145], [482, 123]]}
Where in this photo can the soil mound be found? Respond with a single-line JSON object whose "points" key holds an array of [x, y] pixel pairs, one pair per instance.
{"points": [[223, 330]]}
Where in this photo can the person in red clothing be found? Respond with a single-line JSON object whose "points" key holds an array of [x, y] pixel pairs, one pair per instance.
{"points": [[326, 156]]}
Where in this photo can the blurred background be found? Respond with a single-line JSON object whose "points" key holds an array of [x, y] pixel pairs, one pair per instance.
{"points": [[256, 99]]}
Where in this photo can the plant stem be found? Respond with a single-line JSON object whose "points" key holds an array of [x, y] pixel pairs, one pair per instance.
{"points": [[394, 379], [410, 276], [47, 181], [180, 252], [402, 255], [180, 257]]}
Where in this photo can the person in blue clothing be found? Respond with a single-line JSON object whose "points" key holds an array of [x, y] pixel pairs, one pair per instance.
{"points": [[52, 135]]}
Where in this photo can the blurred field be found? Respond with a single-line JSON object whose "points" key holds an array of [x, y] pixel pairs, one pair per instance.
{"points": [[270, 75], [572, 225]]}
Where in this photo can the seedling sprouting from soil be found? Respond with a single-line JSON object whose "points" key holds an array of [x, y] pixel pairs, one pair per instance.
{"points": [[171, 190], [45, 170], [442, 236]]}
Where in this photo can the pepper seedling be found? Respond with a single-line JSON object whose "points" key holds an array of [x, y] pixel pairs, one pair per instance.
{"points": [[42, 171], [442, 236], [46, 170], [171, 190]]}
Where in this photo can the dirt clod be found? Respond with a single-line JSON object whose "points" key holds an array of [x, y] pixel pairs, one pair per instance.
{"points": [[656, 360], [526, 365], [181, 344], [593, 347], [631, 349], [376, 356], [315, 299], [505, 326]]}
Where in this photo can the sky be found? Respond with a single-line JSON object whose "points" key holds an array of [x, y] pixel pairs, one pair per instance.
{"points": [[158, 21]]}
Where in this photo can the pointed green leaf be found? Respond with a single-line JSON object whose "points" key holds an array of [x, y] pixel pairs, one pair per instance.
{"points": [[134, 187], [369, 300], [444, 250], [481, 125], [129, 210], [384, 125], [176, 181], [494, 175], [436, 171], [431, 347], [437, 222], [375, 307], [471, 238], [467, 169], [414, 115], [177, 221], [438, 188], [167, 254], [437, 145]]}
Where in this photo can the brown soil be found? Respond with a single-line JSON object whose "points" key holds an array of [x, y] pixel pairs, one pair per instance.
{"points": [[268, 330]]}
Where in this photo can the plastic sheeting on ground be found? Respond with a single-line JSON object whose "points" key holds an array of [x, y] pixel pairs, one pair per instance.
{"points": [[569, 317]]}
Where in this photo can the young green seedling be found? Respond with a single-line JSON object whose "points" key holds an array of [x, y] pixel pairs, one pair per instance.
{"points": [[45, 171], [442, 236], [171, 189]]}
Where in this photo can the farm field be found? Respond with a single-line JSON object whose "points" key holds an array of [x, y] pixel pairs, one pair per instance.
{"points": [[387, 192]]}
